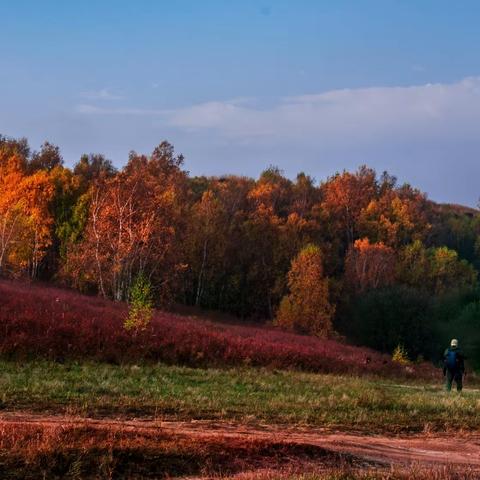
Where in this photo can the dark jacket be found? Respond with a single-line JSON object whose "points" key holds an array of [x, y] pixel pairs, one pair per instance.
{"points": [[460, 359]]}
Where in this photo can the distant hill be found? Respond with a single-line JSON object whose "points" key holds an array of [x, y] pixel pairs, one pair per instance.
{"points": [[456, 209]]}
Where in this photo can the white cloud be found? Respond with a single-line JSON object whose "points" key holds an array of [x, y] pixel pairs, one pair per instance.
{"points": [[358, 115], [342, 122], [103, 94], [169, 114], [364, 116], [89, 109]]}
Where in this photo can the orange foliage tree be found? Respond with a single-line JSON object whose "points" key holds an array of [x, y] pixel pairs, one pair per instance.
{"points": [[133, 225], [369, 265], [307, 308], [37, 192], [13, 218], [25, 219], [344, 197], [396, 218]]}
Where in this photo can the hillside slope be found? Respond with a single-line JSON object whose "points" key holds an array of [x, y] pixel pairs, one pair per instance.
{"points": [[48, 322]]}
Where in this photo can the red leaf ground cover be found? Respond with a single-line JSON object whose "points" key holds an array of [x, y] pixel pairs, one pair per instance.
{"points": [[58, 324], [43, 450]]}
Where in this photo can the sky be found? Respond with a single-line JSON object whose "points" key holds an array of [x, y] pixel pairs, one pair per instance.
{"points": [[239, 85]]}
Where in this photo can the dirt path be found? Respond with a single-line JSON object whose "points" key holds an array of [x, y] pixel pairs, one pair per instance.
{"points": [[460, 451]]}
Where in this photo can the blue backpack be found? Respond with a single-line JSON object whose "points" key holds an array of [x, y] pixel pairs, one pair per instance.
{"points": [[451, 359]]}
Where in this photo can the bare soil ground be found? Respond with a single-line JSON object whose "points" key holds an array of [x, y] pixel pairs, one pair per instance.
{"points": [[456, 450]]}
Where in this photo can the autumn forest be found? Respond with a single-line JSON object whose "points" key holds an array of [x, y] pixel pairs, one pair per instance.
{"points": [[355, 255]]}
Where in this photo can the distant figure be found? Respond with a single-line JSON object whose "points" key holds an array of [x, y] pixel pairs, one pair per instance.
{"points": [[453, 366]]}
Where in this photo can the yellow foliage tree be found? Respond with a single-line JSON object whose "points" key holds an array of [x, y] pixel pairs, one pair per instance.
{"points": [[307, 308], [25, 220]]}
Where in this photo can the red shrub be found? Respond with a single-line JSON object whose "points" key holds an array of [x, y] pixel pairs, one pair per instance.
{"points": [[47, 322]]}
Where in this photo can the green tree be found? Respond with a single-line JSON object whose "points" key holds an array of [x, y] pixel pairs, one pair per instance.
{"points": [[392, 316], [413, 265], [140, 309], [435, 270], [457, 315], [448, 272]]}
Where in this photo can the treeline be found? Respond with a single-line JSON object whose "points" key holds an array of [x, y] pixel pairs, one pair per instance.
{"points": [[357, 253]]}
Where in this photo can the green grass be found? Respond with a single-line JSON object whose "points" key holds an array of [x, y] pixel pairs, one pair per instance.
{"points": [[340, 402]]}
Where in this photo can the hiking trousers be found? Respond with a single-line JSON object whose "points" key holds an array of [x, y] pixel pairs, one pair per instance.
{"points": [[451, 377]]}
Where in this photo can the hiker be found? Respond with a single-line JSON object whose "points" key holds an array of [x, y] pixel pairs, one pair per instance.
{"points": [[453, 366]]}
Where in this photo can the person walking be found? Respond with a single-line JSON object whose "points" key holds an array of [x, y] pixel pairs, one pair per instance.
{"points": [[453, 366]]}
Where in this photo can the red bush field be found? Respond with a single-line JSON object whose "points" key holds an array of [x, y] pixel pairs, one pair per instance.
{"points": [[47, 450], [57, 324]]}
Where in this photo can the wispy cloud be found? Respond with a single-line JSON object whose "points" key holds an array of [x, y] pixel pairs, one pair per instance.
{"points": [[103, 94], [89, 109], [365, 115], [170, 114]]}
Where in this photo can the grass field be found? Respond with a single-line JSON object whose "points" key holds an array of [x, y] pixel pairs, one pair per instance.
{"points": [[38, 441], [253, 395]]}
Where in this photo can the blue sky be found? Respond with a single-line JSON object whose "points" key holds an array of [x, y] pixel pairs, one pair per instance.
{"points": [[237, 85]]}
